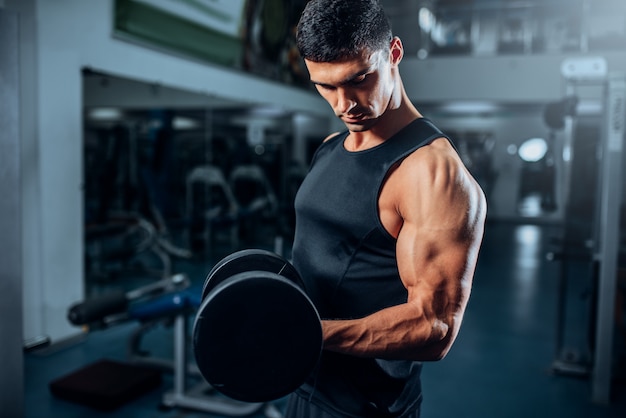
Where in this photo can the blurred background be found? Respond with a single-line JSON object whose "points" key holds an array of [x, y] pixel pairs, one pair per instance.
{"points": [[144, 140]]}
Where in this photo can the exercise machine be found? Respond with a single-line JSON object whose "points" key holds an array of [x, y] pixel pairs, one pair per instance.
{"points": [[604, 244]]}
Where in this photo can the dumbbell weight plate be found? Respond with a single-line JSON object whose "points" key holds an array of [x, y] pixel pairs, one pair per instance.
{"points": [[249, 260], [256, 336]]}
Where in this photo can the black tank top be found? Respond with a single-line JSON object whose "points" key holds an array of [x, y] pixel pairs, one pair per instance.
{"points": [[347, 261]]}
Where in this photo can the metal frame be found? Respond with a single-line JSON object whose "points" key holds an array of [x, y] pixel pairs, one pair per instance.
{"points": [[593, 71], [608, 237]]}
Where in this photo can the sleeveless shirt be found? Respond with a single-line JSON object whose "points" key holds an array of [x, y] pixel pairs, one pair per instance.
{"points": [[347, 261]]}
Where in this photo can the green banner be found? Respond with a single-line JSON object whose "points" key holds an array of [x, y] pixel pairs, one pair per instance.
{"points": [[139, 21]]}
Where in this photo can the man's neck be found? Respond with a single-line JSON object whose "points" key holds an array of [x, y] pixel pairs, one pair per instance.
{"points": [[390, 123]]}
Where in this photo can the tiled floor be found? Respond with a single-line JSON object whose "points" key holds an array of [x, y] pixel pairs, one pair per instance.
{"points": [[500, 365]]}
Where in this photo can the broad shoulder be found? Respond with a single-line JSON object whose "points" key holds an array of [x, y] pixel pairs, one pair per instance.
{"points": [[434, 178], [431, 186], [431, 162]]}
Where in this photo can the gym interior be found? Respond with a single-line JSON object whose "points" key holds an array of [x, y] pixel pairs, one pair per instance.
{"points": [[142, 141]]}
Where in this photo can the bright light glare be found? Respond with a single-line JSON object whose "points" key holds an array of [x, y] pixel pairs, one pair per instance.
{"points": [[469, 107], [182, 123], [426, 19], [527, 235], [511, 149], [533, 150], [105, 114]]}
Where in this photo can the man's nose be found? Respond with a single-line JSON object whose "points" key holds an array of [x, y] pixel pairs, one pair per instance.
{"points": [[345, 101]]}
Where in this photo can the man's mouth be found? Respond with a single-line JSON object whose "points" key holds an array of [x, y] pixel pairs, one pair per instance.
{"points": [[353, 118]]}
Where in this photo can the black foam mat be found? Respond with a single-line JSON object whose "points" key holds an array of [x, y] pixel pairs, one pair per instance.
{"points": [[106, 384]]}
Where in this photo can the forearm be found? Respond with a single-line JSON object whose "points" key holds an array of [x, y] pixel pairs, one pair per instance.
{"points": [[399, 332]]}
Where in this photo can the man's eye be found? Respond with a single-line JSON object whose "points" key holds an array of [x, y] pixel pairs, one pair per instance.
{"points": [[359, 79], [324, 87]]}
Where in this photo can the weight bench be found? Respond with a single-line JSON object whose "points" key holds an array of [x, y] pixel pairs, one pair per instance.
{"points": [[165, 301]]}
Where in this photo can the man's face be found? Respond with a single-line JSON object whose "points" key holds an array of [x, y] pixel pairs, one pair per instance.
{"points": [[359, 90]]}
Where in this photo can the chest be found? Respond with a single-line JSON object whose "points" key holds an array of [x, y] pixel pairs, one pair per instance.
{"points": [[353, 191]]}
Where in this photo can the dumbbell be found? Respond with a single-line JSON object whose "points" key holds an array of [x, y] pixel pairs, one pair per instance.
{"points": [[256, 335]]}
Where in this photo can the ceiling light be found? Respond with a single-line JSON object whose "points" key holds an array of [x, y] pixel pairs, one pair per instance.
{"points": [[469, 107], [105, 114], [533, 150], [183, 123]]}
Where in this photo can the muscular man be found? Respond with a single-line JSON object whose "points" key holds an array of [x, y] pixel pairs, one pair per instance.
{"points": [[389, 223]]}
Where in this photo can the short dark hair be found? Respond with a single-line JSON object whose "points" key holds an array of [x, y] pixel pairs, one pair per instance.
{"points": [[333, 30]]}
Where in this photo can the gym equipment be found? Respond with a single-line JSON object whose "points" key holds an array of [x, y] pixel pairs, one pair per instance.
{"points": [[255, 196], [210, 204], [165, 302], [257, 335], [124, 224], [249, 260], [253, 190], [113, 307], [603, 248]]}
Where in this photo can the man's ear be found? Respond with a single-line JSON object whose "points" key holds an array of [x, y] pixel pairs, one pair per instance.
{"points": [[396, 51]]}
